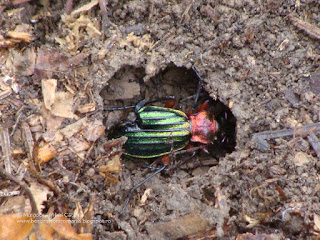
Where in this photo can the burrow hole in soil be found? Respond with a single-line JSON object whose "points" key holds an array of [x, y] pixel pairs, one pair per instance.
{"points": [[127, 88]]}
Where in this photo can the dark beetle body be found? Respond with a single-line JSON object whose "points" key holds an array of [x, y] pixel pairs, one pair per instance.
{"points": [[157, 131]]}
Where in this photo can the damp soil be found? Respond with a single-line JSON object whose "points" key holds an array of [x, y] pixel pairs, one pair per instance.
{"points": [[252, 59]]}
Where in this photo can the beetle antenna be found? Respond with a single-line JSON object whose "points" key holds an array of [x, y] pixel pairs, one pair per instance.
{"points": [[139, 185], [146, 103], [198, 88], [118, 108]]}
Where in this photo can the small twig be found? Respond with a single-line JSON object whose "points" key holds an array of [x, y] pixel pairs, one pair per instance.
{"points": [[186, 11], [151, 10], [310, 130], [314, 141], [68, 6], [6, 148], [28, 139], [308, 28], [19, 115]]}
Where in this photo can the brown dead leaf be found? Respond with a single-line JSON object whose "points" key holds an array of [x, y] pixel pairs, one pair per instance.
{"points": [[40, 193], [108, 171], [15, 226], [114, 166], [78, 212], [48, 62], [62, 106], [46, 153], [49, 87], [78, 144], [62, 226], [52, 122], [94, 130], [74, 128], [85, 7], [88, 213], [23, 36], [46, 231], [89, 107], [145, 196]]}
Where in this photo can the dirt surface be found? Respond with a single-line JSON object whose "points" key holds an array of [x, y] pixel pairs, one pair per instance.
{"points": [[256, 57]]}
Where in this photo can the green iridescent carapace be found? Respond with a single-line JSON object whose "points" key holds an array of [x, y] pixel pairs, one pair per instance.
{"points": [[157, 131]]}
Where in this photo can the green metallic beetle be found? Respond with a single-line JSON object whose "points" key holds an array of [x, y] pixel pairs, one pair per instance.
{"points": [[162, 131], [157, 131]]}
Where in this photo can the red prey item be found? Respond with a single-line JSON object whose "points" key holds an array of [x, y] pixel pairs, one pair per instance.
{"points": [[203, 128]]}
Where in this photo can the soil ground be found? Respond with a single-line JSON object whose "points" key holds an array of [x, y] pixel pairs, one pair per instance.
{"points": [[254, 56]]}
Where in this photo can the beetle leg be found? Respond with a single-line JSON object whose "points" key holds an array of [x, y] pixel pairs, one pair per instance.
{"points": [[138, 185], [150, 167], [184, 162]]}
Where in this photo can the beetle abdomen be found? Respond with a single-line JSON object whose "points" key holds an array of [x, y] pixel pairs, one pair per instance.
{"points": [[157, 131]]}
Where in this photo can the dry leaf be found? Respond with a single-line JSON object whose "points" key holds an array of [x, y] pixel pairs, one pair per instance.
{"points": [[113, 166], [49, 61], [63, 104], [62, 226], [23, 36], [73, 128], [46, 153], [88, 213], [145, 196], [78, 212], [15, 226], [78, 144], [49, 87], [95, 130], [40, 193], [46, 231], [85, 7], [89, 107]]}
